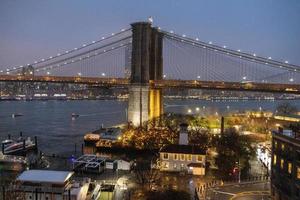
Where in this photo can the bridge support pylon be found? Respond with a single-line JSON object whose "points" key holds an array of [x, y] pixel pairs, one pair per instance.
{"points": [[146, 64]]}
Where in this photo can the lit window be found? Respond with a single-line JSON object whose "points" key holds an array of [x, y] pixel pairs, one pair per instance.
{"points": [[274, 159], [298, 172], [289, 168], [166, 156], [282, 147], [175, 166], [199, 158], [175, 157], [182, 157], [189, 157], [275, 144], [281, 163], [166, 165]]}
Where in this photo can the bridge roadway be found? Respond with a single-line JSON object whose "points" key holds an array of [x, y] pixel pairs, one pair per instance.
{"points": [[191, 84]]}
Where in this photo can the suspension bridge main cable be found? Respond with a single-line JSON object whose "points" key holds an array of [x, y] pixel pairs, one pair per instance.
{"points": [[233, 53], [72, 50], [83, 53]]}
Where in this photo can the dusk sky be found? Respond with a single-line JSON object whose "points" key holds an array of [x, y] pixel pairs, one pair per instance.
{"points": [[35, 29]]}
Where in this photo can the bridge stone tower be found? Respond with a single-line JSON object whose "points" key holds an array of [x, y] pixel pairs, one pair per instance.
{"points": [[146, 65]]}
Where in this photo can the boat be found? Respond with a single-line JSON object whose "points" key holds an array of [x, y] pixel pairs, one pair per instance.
{"points": [[17, 147], [16, 115], [74, 115]]}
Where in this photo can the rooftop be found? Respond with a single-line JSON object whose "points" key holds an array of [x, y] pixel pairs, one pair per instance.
{"points": [[287, 136], [185, 149], [45, 176], [108, 133]]}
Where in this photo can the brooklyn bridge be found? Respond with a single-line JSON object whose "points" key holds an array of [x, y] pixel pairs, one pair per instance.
{"points": [[147, 59]]}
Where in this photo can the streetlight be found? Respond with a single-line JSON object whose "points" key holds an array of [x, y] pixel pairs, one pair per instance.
{"points": [[197, 109], [48, 73], [103, 74], [189, 111], [79, 73]]}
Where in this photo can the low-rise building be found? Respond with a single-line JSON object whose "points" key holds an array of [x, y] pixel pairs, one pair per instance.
{"points": [[50, 185], [103, 137], [183, 157]]}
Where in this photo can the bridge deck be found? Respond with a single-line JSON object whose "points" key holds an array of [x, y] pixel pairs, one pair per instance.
{"points": [[192, 84]]}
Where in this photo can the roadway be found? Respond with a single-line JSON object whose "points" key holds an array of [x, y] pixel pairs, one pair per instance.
{"points": [[245, 191], [192, 84]]}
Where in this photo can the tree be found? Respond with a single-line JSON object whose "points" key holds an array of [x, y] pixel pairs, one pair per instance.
{"points": [[146, 176], [200, 138], [286, 109], [234, 150]]}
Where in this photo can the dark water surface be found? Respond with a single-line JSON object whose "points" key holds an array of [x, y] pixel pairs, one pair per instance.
{"points": [[51, 121]]}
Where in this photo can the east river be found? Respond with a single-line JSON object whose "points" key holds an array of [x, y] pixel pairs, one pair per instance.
{"points": [[52, 123]]}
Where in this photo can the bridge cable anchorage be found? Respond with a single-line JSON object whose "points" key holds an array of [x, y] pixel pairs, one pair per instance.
{"points": [[231, 52], [83, 53], [123, 31]]}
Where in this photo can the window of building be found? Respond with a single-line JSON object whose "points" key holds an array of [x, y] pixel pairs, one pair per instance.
{"points": [[165, 156], [275, 144], [289, 167], [281, 163], [175, 165], [181, 156], [189, 157], [199, 158], [274, 159], [282, 147], [175, 157], [298, 172], [166, 165], [182, 166]]}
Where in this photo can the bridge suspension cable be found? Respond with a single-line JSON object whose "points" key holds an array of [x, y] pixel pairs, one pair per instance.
{"points": [[120, 36], [189, 59]]}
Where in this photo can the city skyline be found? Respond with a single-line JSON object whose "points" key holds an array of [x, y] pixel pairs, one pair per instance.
{"points": [[89, 21]]}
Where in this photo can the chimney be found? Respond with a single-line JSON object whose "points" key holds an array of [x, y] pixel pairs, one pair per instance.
{"points": [[183, 134], [222, 125]]}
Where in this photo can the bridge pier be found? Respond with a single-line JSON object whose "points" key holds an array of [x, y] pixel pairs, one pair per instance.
{"points": [[146, 65], [138, 104]]}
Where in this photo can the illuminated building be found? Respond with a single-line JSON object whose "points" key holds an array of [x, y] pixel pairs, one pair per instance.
{"points": [[285, 167]]}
